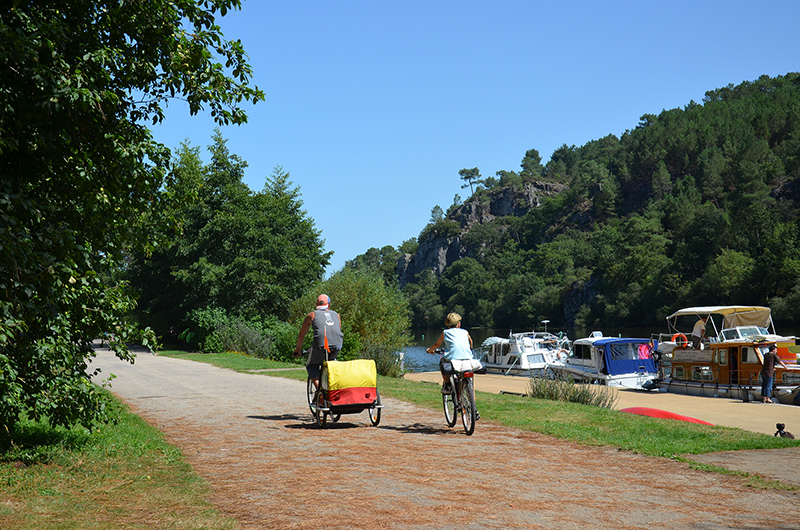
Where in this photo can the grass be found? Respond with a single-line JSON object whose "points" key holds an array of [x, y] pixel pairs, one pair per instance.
{"points": [[121, 476]]}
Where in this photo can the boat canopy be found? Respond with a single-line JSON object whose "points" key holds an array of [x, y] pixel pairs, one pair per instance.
{"points": [[625, 356], [733, 315]]}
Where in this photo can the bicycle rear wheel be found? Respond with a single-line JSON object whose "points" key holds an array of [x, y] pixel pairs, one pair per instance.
{"points": [[310, 391], [449, 405], [468, 411]]}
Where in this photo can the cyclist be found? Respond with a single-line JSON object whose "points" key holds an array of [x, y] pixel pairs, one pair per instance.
{"points": [[327, 326], [457, 345]]}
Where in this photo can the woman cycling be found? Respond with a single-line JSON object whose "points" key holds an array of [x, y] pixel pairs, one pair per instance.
{"points": [[457, 346]]}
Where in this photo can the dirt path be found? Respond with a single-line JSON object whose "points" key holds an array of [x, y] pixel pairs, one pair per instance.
{"points": [[252, 437]]}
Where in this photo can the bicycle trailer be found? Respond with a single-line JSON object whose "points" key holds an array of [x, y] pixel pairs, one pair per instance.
{"points": [[347, 387]]}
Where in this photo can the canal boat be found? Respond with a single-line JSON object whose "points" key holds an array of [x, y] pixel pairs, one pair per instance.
{"points": [[728, 362], [527, 353], [612, 361]]}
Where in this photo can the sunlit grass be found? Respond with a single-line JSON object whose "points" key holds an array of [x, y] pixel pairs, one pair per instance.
{"points": [[121, 476]]}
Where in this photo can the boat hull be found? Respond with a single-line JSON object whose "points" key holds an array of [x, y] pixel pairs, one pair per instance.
{"points": [[788, 395]]}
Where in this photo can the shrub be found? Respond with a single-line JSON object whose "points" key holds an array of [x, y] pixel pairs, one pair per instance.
{"points": [[564, 388], [386, 362]]}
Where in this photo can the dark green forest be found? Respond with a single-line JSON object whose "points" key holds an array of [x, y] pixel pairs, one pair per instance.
{"points": [[692, 206]]}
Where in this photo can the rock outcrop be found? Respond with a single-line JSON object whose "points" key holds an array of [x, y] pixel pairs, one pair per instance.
{"points": [[437, 252]]}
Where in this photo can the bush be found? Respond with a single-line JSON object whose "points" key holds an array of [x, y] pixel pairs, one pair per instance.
{"points": [[386, 362], [266, 337], [375, 317], [564, 388]]}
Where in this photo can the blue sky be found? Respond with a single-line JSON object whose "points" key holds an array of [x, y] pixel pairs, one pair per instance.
{"points": [[374, 107]]}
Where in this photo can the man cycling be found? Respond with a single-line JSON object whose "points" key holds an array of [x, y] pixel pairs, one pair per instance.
{"points": [[327, 326]]}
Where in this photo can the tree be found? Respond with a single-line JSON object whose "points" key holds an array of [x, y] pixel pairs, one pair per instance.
{"points": [[471, 177], [375, 316], [79, 81], [250, 254]]}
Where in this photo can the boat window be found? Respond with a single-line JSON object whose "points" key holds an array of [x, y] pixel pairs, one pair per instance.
{"points": [[535, 358], [730, 334], [791, 378], [677, 372], [749, 331], [702, 373], [749, 355], [722, 356], [582, 351]]}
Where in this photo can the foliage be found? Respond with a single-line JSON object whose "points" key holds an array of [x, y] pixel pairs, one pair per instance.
{"points": [[249, 254], [78, 170], [693, 206], [375, 316], [219, 331], [565, 389]]}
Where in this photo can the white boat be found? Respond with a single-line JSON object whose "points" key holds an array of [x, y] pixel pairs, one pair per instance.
{"points": [[729, 361], [616, 362], [525, 353]]}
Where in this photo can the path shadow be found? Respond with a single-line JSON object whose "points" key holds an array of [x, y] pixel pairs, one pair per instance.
{"points": [[305, 421], [417, 428]]}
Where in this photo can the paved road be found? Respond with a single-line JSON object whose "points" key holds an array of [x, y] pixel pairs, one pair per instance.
{"points": [[252, 438]]}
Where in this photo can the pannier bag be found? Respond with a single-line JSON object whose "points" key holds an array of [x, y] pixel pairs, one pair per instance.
{"points": [[351, 382], [467, 365]]}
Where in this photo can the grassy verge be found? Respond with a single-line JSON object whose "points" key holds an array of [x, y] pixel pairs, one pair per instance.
{"points": [[570, 421], [122, 476]]}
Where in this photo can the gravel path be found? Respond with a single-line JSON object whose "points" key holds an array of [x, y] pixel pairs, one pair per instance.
{"points": [[253, 438]]}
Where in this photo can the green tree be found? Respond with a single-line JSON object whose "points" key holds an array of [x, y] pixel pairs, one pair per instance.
{"points": [[79, 82], [470, 177], [375, 317], [249, 254]]}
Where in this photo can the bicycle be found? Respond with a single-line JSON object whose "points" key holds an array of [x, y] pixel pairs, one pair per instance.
{"points": [[461, 397]]}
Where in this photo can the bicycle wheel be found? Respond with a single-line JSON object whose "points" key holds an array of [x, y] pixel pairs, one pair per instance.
{"points": [[375, 412], [320, 416], [468, 412], [310, 391], [449, 404]]}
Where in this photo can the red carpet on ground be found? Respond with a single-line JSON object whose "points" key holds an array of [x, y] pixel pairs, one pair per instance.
{"points": [[658, 413]]}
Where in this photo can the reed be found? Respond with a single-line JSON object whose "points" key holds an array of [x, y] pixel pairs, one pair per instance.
{"points": [[564, 388]]}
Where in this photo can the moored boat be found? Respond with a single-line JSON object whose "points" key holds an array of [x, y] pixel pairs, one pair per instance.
{"points": [[617, 362], [525, 353], [728, 362]]}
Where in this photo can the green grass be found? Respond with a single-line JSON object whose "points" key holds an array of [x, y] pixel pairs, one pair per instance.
{"points": [[121, 476], [231, 361], [578, 423]]}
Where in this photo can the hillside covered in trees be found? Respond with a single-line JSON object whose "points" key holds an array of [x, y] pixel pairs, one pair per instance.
{"points": [[693, 206]]}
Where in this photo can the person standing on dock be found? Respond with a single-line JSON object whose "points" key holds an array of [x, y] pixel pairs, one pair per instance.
{"points": [[768, 373]]}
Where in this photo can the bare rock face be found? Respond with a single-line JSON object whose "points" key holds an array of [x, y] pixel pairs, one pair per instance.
{"points": [[437, 252]]}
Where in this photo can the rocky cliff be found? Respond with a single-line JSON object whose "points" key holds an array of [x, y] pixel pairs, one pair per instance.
{"points": [[436, 252]]}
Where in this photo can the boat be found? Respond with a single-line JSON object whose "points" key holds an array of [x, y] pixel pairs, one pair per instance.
{"points": [[527, 353], [728, 361], [612, 361]]}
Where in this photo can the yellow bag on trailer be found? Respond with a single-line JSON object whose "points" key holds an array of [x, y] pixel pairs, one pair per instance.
{"points": [[351, 382]]}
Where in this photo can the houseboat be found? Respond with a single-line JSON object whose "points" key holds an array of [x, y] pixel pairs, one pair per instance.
{"points": [[728, 361], [525, 353], [617, 362]]}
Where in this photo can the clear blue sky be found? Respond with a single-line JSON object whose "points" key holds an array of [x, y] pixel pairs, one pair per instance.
{"points": [[373, 107]]}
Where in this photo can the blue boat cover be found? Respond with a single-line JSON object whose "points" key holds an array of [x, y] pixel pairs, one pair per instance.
{"points": [[626, 356]]}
